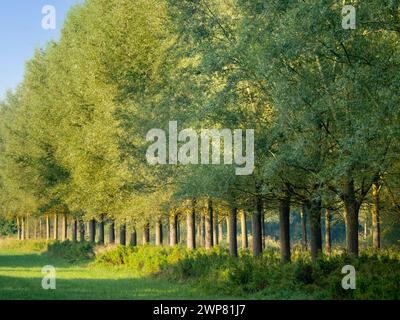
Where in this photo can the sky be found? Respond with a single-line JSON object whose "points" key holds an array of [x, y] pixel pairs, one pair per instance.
{"points": [[21, 32]]}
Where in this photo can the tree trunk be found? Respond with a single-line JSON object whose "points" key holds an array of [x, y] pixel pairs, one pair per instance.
{"points": [[111, 232], [257, 228], [376, 229], [198, 233], [263, 229], [146, 234], [227, 230], [40, 229], [178, 231], [315, 229], [22, 227], [167, 227], [243, 230], [351, 208], [64, 233], [209, 226], [27, 235], [345, 226], [173, 236], [74, 230], [122, 234], [365, 233], [202, 230], [303, 218], [92, 230], [23, 237], [48, 226], [133, 241], [55, 227], [159, 233], [220, 232], [328, 244], [233, 251], [18, 229], [191, 226], [101, 231], [215, 229], [284, 229], [81, 231]]}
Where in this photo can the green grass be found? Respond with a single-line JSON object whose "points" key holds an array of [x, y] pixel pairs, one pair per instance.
{"points": [[21, 277], [151, 273]]}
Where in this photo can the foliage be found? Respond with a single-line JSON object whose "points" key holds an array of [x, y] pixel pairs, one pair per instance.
{"points": [[7, 226], [377, 273], [71, 251], [24, 245]]}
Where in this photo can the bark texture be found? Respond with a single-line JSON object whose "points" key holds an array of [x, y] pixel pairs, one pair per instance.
{"points": [[351, 209], [233, 250], [146, 234], [122, 234], [209, 226], [191, 226], [111, 232], [133, 240], [64, 233], [376, 229], [101, 231], [315, 229], [81, 231], [74, 230], [158, 233], [257, 228], [55, 227], [328, 241], [92, 230], [243, 230], [284, 229], [303, 217], [173, 232]]}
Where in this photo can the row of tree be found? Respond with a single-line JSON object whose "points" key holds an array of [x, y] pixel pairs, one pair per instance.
{"points": [[322, 101], [175, 231]]}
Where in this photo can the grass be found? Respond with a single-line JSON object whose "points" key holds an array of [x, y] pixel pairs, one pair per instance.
{"points": [[21, 277], [153, 273], [377, 272]]}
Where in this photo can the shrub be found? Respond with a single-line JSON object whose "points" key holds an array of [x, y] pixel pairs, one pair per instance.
{"points": [[304, 273], [71, 251], [378, 273], [23, 245]]}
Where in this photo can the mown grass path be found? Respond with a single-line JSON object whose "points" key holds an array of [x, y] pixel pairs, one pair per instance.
{"points": [[21, 278]]}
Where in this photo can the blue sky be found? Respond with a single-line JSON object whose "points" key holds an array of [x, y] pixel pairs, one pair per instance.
{"points": [[21, 32]]}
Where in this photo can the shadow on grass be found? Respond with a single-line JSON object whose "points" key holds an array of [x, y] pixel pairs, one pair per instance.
{"points": [[21, 279], [21, 288], [32, 261]]}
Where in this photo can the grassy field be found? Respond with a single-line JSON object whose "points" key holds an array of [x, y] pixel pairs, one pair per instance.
{"points": [[153, 272], [21, 277]]}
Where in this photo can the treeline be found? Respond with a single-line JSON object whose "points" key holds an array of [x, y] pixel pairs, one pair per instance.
{"points": [[323, 102]]}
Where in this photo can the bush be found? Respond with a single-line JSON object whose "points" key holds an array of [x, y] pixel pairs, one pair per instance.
{"points": [[7, 226], [378, 274], [71, 251], [23, 245], [304, 273]]}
